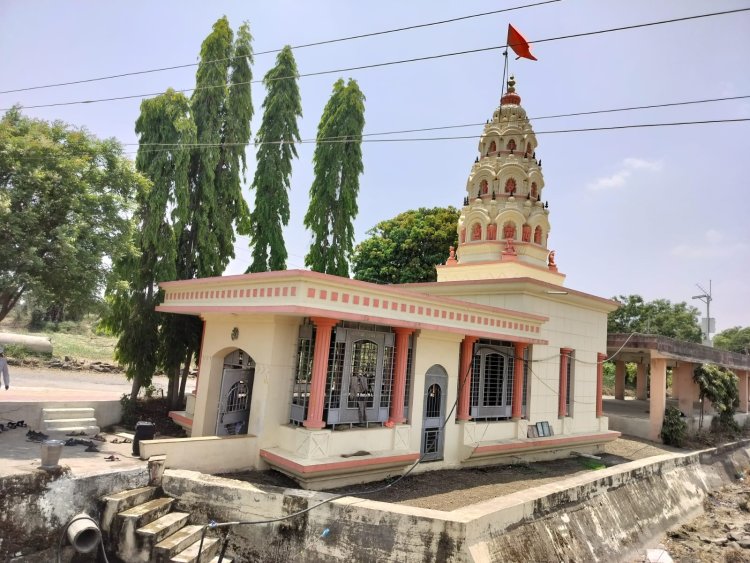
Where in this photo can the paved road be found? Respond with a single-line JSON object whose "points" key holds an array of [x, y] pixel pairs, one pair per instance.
{"points": [[46, 384]]}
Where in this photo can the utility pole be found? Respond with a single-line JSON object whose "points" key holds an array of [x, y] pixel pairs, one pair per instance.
{"points": [[706, 298]]}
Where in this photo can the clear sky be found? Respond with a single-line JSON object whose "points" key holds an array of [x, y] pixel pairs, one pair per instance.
{"points": [[650, 211]]}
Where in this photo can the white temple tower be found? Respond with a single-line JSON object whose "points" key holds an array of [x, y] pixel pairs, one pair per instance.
{"points": [[504, 223]]}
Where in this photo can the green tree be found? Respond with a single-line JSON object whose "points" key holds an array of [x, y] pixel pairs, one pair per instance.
{"points": [[407, 248], [676, 320], [735, 339], [65, 211], [165, 130], [337, 164], [276, 137], [221, 108]]}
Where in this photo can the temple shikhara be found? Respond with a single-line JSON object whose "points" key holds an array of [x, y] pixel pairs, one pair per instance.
{"points": [[334, 381]]}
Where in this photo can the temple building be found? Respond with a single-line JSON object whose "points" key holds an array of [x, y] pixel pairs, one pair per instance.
{"points": [[334, 381]]}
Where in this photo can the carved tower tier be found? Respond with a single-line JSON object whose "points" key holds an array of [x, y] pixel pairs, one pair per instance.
{"points": [[504, 224]]}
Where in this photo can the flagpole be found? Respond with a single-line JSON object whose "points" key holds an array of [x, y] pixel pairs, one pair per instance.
{"points": [[505, 72]]}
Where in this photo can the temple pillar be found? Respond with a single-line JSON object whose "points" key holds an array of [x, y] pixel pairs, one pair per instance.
{"points": [[520, 348], [396, 416], [323, 329], [620, 380], [562, 409], [658, 401], [743, 388], [464, 378], [641, 382], [600, 358]]}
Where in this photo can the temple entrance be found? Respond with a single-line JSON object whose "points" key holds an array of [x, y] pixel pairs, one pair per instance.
{"points": [[435, 384], [236, 392]]}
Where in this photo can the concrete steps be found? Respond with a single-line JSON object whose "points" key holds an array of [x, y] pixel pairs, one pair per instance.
{"points": [[60, 421], [145, 530]]}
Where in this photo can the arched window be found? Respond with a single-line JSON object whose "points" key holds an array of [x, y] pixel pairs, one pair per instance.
{"points": [[509, 230], [511, 145], [484, 187], [538, 235], [534, 190], [528, 150], [510, 186], [526, 233], [493, 148], [476, 231]]}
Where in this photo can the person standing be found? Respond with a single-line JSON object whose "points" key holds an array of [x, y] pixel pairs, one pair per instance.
{"points": [[4, 368]]}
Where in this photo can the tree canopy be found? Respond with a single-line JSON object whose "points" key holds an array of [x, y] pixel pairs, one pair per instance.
{"points": [[277, 136], [65, 212], [676, 320], [407, 248], [337, 164], [735, 339]]}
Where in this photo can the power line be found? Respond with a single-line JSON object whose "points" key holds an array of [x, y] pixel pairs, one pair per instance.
{"points": [[270, 51], [388, 63], [575, 114], [446, 138]]}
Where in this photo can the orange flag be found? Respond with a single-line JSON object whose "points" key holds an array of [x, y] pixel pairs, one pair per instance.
{"points": [[518, 43]]}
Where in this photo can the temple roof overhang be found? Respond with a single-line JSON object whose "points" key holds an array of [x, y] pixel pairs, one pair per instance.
{"points": [[306, 293]]}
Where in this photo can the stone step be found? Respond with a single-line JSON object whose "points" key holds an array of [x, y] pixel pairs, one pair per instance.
{"points": [[61, 433], [162, 527], [211, 547], [58, 413], [121, 501], [57, 423], [226, 559], [147, 512], [178, 541]]}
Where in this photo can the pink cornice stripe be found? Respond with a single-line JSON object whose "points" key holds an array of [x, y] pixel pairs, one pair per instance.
{"points": [[348, 316], [177, 417], [332, 466]]}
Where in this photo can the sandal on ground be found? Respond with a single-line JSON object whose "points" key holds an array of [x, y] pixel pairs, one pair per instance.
{"points": [[99, 438], [112, 458], [80, 433], [92, 448]]}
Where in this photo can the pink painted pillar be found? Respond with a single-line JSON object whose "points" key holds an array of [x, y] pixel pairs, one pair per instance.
{"points": [[688, 389], [743, 388], [520, 347], [399, 377], [562, 409], [323, 328], [599, 381], [658, 401], [641, 382], [464, 378], [620, 380]]}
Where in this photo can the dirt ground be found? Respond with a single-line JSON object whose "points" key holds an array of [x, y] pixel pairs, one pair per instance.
{"points": [[721, 533], [451, 489]]}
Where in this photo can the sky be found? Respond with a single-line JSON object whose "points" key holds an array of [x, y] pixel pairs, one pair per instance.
{"points": [[649, 211]]}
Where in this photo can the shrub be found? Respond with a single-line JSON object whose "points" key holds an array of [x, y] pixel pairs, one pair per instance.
{"points": [[674, 428], [720, 386]]}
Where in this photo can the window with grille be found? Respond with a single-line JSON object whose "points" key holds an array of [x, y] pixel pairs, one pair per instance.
{"points": [[434, 404], [237, 397], [431, 441], [524, 401], [569, 358], [363, 375], [492, 381]]}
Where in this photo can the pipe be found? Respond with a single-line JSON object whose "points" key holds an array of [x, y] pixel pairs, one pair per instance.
{"points": [[83, 534]]}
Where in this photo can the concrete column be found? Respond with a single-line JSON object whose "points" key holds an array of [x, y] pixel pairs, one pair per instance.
{"points": [[743, 388], [658, 401], [620, 380], [562, 409], [323, 328], [520, 348], [641, 382], [599, 381], [200, 357], [464, 378], [688, 389], [398, 392]]}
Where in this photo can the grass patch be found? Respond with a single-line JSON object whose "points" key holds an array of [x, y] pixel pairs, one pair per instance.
{"points": [[592, 464], [84, 346]]}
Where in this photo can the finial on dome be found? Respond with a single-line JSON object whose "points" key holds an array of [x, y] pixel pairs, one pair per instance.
{"points": [[510, 96]]}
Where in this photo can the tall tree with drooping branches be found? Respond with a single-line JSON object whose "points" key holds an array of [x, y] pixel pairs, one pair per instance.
{"points": [[337, 164], [276, 140], [166, 132]]}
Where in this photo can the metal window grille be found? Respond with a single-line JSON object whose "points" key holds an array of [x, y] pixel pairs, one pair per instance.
{"points": [[364, 362], [492, 379], [409, 368], [237, 397], [386, 389], [433, 401], [335, 374], [525, 399], [431, 440], [302, 374]]}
